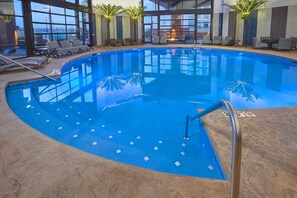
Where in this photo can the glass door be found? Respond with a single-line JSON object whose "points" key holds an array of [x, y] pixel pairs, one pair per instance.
{"points": [[147, 33]]}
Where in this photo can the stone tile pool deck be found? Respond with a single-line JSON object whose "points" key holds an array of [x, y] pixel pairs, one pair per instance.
{"points": [[34, 165]]}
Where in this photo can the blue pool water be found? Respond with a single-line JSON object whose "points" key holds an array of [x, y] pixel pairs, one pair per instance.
{"points": [[130, 105]]}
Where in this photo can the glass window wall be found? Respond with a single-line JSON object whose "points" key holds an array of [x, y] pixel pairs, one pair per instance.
{"points": [[203, 25], [12, 33]]}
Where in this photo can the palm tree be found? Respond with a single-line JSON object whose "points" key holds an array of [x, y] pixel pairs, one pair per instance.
{"points": [[245, 8], [134, 12], [108, 11]]}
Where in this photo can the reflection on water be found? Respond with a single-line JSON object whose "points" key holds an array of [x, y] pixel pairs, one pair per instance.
{"points": [[243, 89], [247, 80]]}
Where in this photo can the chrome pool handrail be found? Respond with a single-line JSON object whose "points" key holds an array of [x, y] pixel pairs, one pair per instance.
{"points": [[236, 141], [21, 65]]}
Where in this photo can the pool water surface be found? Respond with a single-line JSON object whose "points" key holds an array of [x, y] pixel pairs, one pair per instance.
{"points": [[130, 105]]}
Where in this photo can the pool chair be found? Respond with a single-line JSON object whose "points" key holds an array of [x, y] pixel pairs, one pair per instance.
{"points": [[258, 45], [54, 49], [123, 42], [282, 44], [129, 40], [66, 44], [155, 40], [163, 40], [114, 43], [77, 43], [217, 40], [228, 41], [294, 42], [206, 40], [33, 62]]}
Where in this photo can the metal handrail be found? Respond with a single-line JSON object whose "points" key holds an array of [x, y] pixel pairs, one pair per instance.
{"points": [[236, 141], [21, 65]]}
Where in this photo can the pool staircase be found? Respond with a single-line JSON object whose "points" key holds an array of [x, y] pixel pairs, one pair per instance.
{"points": [[236, 141]]}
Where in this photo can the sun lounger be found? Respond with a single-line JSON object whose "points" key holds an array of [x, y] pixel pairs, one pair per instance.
{"points": [[206, 40], [228, 41], [283, 44], [123, 42], [114, 43], [129, 40], [259, 45], [77, 43], [163, 40], [66, 44], [35, 62], [155, 40], [217, 40], [54, 49]]}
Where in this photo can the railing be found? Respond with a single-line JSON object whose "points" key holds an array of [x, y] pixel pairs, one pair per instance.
{"points": [[21, 65], [236, 141]]}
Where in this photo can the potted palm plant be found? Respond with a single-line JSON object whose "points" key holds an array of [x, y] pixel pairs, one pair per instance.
{"points": [[134, 12], [108, 11], [245, 8]]}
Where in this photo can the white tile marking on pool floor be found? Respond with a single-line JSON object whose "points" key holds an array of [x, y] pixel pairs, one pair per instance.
{"points": [[210, 167], [110, 137], [38, 113], [75, 136], [90, 119], [156, 148], [60, 128], [92, 130], [79, 112], [103, 126], [58, 109], [66, 116], [138, 137], [177, 163], [28, 106], [77, 123], [146, 158], [47, 121], [94, 143], [182, 153], [183, 144], [160, 142], [119, 131], [131, 143], [118, 151]]}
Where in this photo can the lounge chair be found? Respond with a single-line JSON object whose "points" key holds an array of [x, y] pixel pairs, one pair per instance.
{"points": [[217, 40], [77, 43], [283, 44], [123, 42], [163, 40], [258, 45], [114, 43], [54, 49], [35, 62], [129, 40], [294, 42], [206, 40], [228, 41], [155, 40], [66, 44], [265, 39]]}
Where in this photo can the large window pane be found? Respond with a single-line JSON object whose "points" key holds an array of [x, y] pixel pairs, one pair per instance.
{"points": [[58, 19], [57, 10], [40, 7], [12, 33], [59, 28], [41, 28], [71, 29], [203, 25], [40, 17], [150, 5], [70, 20]]}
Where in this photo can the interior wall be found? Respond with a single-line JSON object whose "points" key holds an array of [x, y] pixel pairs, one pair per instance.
{"points": [[291, 30], [283, 23]]}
